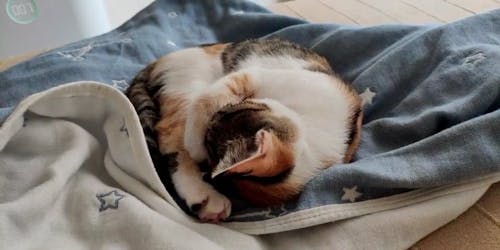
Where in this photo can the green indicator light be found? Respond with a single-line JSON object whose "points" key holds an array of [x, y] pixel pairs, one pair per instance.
{"points": [[22, 11]]}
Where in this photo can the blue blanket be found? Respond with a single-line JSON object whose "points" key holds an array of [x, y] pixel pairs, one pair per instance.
{"points": [[431, 94]]}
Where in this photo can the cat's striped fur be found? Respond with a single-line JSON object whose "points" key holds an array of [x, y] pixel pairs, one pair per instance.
{"points": [[273, 142]]}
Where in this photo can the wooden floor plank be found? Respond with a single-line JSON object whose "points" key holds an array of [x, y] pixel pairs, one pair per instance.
{"points": [[476, 6], [361, 13], [400, 11], [469, 231], [316, 11], [282, 9], [11, 61], [490, 203], [441, 10]]}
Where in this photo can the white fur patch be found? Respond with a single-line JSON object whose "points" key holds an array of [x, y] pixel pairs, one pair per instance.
{"points": [[316, 99], [189, 71]]}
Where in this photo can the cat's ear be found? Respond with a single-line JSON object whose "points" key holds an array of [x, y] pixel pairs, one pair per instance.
{"points": [[271, 158]]}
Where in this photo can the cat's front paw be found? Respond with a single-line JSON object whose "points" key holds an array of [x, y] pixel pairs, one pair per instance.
{"points": [[210, 206]]}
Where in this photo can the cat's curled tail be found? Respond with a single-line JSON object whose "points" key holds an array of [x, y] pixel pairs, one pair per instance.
{"points": [[142, 95]]}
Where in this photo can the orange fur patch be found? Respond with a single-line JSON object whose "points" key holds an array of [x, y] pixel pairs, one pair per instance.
{"points": [[278, 159], [215, 49], [283, 158], [170, 128], [241, 85], [321, 63], [267, 195]]}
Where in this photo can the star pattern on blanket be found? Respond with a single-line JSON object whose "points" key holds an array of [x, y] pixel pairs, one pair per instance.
{"points": [[367, 96], [109, 200], [474, 59], [350, 194], [171, 43], [120, 84], [77, 54], [236, 12], [172, 14]]}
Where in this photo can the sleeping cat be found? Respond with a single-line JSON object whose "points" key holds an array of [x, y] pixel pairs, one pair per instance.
{"points": [[267, 115]]}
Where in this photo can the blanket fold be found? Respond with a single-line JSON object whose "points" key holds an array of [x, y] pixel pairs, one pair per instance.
{"points": [[67, 183]]}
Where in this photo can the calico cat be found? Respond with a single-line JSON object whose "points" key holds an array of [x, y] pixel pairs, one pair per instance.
{"points": [[267, 115]]}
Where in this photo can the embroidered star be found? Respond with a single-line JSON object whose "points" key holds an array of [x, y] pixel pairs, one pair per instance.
{"points": [[367, 96], [126, 40], [237, 12], [171, 43], [77, 54], [350, 194], [120, 84], [474, 59], [172, 14], [109, 200]]}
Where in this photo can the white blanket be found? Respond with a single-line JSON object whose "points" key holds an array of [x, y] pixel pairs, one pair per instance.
{"points": [[75, 174]]}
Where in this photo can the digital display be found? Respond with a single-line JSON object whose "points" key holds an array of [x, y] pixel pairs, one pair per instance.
{"points": [[22, 11]]}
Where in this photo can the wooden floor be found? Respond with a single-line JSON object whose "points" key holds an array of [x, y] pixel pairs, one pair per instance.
{"points": [[371, 12], [478, 227]]}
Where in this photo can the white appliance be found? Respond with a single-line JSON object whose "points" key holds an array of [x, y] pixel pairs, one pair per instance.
{"points": [[32, 25]]}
